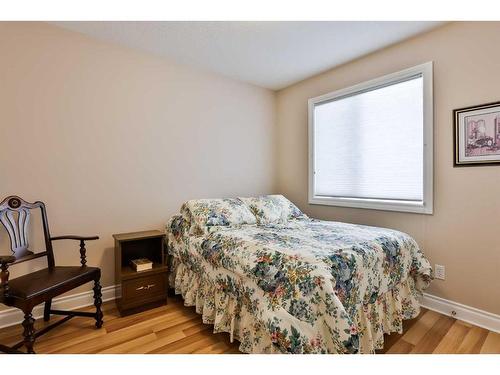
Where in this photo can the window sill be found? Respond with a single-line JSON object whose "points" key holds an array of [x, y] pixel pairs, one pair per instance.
{"points": [[374, 204]]}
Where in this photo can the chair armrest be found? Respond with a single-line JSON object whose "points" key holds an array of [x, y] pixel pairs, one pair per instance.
{"points": [[72, 237], [83, 255], [5, 259]]}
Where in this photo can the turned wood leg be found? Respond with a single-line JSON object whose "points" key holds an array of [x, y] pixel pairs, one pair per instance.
{"points": [[46, 310], [97, 304], [29, 331]]}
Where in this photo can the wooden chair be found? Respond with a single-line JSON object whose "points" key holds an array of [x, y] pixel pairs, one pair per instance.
{"points": [[25, 292]]}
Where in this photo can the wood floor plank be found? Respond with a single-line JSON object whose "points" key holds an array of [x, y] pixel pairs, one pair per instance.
{"points": [[453, 338], [199, 328], [473, 341], [130, 320], [194, 346], [217, 348], [158, 343], [152, 322], [420, 328], [184, 345], [128, 345], [54, 345], [107, 341], [491, 344], [175, 321], [433, 337], [401, 347], [389, 341], [175, 328]]}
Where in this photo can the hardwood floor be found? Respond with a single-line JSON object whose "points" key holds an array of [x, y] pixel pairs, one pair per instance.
{"points": [[177, 329]]}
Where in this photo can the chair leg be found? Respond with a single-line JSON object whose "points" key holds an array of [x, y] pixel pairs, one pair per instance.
{"points": [[97, 303], [46, 310], [29, 331]]}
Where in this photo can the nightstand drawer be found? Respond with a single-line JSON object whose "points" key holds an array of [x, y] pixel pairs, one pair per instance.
{"points": [[143, 288]]}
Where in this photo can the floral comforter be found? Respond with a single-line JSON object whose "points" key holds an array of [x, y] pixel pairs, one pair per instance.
{"points": [[303, 286]]}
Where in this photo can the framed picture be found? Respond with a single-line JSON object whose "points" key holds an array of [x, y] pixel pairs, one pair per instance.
{"points": [[477, 135]]}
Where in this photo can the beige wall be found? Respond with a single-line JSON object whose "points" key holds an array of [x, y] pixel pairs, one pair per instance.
{"points": [[463, 233], [114, 140]]}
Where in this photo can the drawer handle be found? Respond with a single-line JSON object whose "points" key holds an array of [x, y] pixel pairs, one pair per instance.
{"points": [[146, 287]]}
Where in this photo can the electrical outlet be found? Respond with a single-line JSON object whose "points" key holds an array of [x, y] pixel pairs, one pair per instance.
{"points": [[439, 272]]}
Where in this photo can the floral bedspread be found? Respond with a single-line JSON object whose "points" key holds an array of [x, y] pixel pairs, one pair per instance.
{"points": [[304, 286]]}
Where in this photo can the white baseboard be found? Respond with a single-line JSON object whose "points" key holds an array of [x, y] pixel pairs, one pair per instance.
{"points": [[459, 311], [13, 316]]}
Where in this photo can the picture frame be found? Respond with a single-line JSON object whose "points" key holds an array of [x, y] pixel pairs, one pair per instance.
{"points": [[476, 135]]}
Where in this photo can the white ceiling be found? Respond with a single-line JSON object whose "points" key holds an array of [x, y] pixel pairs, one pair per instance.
{"points": [[268, 54]]}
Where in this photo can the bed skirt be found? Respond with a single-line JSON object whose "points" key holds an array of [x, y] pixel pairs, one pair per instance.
{"points": [[229, 311]]}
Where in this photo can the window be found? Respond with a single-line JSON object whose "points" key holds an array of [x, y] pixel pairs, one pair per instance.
{"points": [[370, 145]]}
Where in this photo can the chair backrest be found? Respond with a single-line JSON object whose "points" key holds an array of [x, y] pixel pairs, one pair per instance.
{"points": [[14, 215]]}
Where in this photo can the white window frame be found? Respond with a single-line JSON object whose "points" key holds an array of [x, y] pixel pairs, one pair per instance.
{"points": [[426, 207]]}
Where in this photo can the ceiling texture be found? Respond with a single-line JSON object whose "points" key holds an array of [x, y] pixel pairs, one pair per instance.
{"points": [[273, 55]]}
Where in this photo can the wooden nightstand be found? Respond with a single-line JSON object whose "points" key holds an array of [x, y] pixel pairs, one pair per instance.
{"points": [[145, 289]]}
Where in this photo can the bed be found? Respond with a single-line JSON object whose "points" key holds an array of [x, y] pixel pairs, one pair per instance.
{"points": [[280, 282]]}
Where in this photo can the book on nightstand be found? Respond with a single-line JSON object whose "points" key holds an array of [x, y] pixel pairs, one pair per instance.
{"points": [[141, 264]]}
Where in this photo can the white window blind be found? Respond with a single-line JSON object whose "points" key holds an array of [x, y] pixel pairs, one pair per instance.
{"points": [[369, 145]]}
